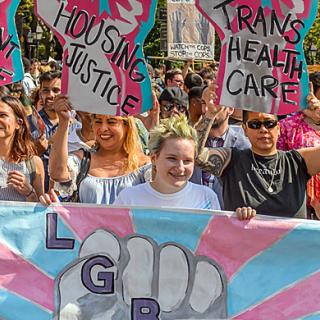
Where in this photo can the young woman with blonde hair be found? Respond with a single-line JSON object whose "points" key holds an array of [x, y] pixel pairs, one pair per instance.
{"points": [[116, 162], [172, 146]]}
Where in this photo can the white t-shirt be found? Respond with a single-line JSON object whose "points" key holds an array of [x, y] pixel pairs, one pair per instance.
{"points": [[192, 196]]}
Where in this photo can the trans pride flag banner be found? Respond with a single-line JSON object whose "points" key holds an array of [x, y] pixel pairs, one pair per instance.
{"points": [[94, 262], [10, 53]]}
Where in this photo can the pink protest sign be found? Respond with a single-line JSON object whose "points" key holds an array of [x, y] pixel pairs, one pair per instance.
{"points": [[10, 55], [262, 63], [103, 65]]}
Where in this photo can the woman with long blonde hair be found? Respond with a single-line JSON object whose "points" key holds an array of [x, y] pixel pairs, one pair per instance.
{"points": [[116, 162]]}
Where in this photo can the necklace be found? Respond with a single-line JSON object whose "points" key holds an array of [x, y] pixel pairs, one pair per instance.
{"points": [[269, 187]]}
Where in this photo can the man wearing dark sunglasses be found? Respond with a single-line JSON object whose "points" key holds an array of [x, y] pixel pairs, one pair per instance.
{"points": [[261, 177], [173, 101]]}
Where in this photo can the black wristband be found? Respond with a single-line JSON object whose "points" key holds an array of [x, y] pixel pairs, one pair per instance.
{"points": [[32, 191]]}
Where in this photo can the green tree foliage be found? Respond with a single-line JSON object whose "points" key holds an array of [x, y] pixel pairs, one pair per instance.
{"points": [[152, 42], [313, 37]]}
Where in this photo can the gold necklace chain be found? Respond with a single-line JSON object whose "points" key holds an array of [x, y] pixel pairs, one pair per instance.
{"points": [[269, 187]]}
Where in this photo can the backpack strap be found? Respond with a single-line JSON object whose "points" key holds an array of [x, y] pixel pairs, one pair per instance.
{"points": [[31, 166], [84, 167]]}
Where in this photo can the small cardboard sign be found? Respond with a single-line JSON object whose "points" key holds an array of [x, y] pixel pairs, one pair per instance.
{"points": [[262, 64], [190, 35], [104, 70], [11, 69]]}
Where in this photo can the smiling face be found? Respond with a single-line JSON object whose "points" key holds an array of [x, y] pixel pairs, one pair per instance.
{"points": [[110, 131], [263, 140], [8, 121], [174, 165], [48, 92]]}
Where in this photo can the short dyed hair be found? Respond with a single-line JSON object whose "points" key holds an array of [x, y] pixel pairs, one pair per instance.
{"points": [[173, 127]]}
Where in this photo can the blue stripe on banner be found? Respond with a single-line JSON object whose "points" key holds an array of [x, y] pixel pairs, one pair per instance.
{"points": [[304, 81], [28, 236], [315, 316], [291, 259], [146, 84], [14, 307], [16, 54], [181, 228]]}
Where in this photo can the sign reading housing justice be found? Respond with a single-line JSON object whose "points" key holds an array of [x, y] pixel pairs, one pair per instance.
{"points": [[104, 69]]}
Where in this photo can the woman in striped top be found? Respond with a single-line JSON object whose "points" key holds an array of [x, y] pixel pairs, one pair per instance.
{"points": [[21, 171]]}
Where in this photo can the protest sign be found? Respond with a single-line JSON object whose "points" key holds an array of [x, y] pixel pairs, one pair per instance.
{"points": [[190, 35], [118, 263], [262, 64], [104, 69], [11, 69]]}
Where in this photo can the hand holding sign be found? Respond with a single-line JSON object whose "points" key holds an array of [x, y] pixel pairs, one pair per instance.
{"points": [[113, 274], [313, 101], [103, 67], [262, 66]]}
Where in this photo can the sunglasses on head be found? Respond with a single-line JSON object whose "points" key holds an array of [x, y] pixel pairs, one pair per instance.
{"points": [[169, 107], [256, 124]]}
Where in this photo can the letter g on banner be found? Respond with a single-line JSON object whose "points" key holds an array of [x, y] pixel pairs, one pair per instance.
{"points": [[134, 278]]}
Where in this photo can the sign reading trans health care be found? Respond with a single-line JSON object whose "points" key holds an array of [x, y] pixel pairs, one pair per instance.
{"points": [[262, 65], [104, 70], [95, 262]]}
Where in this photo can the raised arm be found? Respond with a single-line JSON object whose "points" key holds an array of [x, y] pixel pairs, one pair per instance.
{"points": [[213, 160], [59, 152], [312, 158]]}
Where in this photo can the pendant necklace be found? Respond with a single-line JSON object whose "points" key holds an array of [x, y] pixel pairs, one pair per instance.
{"points": [[269, 187]]}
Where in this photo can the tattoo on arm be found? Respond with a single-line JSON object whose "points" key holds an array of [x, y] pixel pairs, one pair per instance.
{"points": [[203, 129], [214, 160]]}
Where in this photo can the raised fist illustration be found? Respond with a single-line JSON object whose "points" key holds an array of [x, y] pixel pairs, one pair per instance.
{"points": [[103, 66], [10, 55], [177, 22], [134, 278], [262, 65]]}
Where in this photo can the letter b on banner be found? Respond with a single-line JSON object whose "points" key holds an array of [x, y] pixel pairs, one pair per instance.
{"points": [[144, 309]]}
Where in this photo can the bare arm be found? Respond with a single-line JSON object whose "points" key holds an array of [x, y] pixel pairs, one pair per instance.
{"points": [[38, 183], [312, 158], [59, 152], [213, 160], [312, 155]]}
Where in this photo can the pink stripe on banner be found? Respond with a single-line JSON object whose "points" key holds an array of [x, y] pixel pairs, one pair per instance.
{"points": [[299, 301], [22, 278], [84, 220], [4, 23], [240, 239]]}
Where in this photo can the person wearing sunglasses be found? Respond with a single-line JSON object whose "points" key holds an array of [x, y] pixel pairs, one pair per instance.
{"points": [[261, 177], [173, 101]]}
